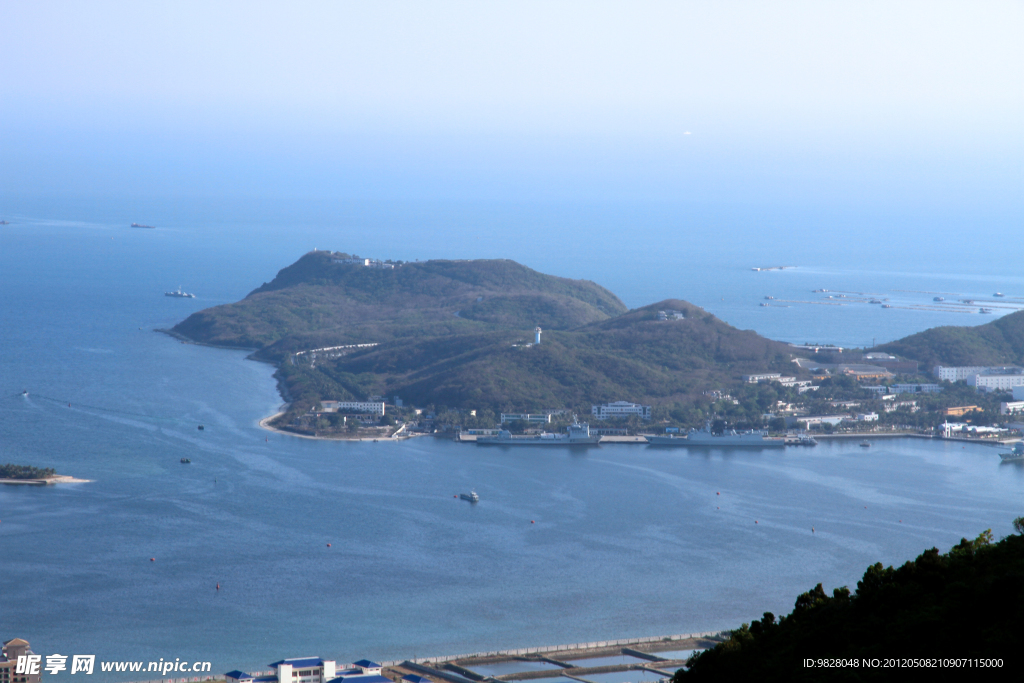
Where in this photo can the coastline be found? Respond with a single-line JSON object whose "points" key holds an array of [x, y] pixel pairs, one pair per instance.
{"points": [[264, 423], [49, 481]]}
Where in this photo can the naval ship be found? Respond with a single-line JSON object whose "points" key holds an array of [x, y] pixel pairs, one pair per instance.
{"points": [[1016, 454], [178, 294], [578, 435], [704, 438]]}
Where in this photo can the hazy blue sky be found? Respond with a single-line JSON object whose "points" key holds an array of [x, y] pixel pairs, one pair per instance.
{"points": [[874, 103]]}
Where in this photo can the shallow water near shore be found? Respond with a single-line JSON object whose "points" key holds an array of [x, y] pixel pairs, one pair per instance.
{"points": [[564, 546]]}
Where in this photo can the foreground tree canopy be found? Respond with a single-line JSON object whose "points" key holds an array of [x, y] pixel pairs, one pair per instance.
{"points": [[967, 603]]}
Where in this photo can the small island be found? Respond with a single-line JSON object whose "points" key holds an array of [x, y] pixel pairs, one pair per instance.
{"points": [[34, 476]]}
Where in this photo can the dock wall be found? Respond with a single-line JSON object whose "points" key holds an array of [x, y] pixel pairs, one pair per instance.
{"points": [[545, 649]]}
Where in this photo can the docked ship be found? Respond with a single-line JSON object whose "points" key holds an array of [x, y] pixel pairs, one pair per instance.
{"points": [[705, 439], [578, 435], [178, 294], [140, 225], [1016, 454]]}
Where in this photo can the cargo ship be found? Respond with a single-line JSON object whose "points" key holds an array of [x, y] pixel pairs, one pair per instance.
{"points": [[140, 225], [705, 439], [178, 294], [578, 435]]}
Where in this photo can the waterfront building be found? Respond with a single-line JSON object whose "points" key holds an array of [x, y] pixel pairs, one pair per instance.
{"points": [[813, 420], [12, 649], [1011, 407], [354, 407], [867, 417], [620, 409], [363, 671], [295, 670], [526, 417]]}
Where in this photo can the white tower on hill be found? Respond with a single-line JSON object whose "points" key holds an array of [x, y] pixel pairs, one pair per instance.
{"points": [[536, 339]]}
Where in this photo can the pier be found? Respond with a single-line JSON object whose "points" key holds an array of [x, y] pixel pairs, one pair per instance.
{"points": [[660, 656]]}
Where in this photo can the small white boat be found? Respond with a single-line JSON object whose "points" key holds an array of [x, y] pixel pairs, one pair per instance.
{"points": [[472, 497]]}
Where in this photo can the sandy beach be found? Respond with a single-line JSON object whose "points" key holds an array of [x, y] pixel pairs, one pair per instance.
{"points": [[59, 479]]}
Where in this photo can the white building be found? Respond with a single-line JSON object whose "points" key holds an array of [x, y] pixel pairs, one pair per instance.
{"points": [[915, 388], [296, 670], [763, 377], [621, 409], [526, 417], [1011, 407], [867, 417], [1003, 381], [355, 407], [955, 374]]}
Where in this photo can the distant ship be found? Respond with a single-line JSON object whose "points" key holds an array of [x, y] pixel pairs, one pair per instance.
{"points": [[998, 294], [705, 439], [800, 440], [472, 497], [984, 310], [579, 435], [939, 298], [140, 225], [886, 306], [1016, 454], [178, 294], [8, 223]]}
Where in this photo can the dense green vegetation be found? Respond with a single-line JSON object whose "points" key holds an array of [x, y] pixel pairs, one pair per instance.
{"points": [[633, 357], [10, 471], [316, 302], [458, 333], [966, 603], [1000, 342]]}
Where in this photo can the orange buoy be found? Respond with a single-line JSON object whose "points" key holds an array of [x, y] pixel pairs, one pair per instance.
{"points": [[812, 529], [328, 545], [532, 522], [218, 586], [755, 521], [152, 559]]}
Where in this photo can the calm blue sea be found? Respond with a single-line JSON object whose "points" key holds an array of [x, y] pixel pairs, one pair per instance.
{"points": [[614, 542]]}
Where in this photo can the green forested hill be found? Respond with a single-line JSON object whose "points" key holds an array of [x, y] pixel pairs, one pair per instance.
{"points": [[965, 604], [458, 333], [1000, 342], [630, 357], [316, 302]]}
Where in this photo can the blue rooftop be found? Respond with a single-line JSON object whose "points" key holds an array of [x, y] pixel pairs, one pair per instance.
{"points": [[236, 674], [299, 662], [362, 679], [367, 664]]}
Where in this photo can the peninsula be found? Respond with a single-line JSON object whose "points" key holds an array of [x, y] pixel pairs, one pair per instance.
{"points": [[481, 335], [469, 340]]}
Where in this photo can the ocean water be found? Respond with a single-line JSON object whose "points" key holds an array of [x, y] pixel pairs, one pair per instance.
{"points": [[564, 546]]}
